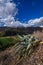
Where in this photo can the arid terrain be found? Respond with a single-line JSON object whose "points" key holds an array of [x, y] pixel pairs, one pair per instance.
{"points": [[36, 58], [17, 49]]}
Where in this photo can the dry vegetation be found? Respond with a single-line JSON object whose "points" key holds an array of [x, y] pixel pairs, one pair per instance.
{"points": [[38, 34], [22, 50]]}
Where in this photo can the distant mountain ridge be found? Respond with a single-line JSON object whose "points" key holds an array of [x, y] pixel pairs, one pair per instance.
{"points": [[9, 31]]}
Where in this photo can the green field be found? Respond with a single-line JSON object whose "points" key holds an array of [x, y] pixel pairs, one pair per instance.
{"points": [[6, 42]]}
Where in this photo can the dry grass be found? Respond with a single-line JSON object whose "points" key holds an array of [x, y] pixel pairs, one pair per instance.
{"points": [[22, 53], [38, 34]]}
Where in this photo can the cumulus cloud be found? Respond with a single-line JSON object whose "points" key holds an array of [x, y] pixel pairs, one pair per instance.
{"points": [[14, 24], [32, 22], [4, 1], [8, 11], [7, 8], [36, 22]]}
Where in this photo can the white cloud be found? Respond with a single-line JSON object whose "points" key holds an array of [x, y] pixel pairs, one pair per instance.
{"points": [[10, 22], [13, 24], [36, 22], [4, 1], [7, 8], [32, 22], [8, 11]]}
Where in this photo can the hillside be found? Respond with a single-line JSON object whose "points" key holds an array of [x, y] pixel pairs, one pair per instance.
{"points": [[8, 31], [21, 46], [7, 57]]}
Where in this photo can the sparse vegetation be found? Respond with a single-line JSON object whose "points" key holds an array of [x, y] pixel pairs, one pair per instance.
{"points": [[19, 45], [6, 42], [26, 41], [27, 44]]}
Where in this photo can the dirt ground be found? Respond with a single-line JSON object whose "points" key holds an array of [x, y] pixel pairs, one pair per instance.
{"points": [[7, 57], [36, 58]]}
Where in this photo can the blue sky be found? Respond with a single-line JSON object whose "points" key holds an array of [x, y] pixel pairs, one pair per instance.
{"points": [[29, 9], [21, 13]]}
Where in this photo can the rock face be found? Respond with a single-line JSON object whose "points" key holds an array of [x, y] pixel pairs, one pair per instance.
{"points": [[8, 57]]}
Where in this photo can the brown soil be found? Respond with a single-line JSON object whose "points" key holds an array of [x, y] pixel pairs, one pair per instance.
{"points": [[8, 57], [36, 58]]}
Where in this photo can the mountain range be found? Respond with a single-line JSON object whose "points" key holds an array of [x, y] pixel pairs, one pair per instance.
{"points": [[10, 31]]}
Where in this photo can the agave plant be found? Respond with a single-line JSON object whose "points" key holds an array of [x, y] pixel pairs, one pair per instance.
{"points": [[26, 46]]}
